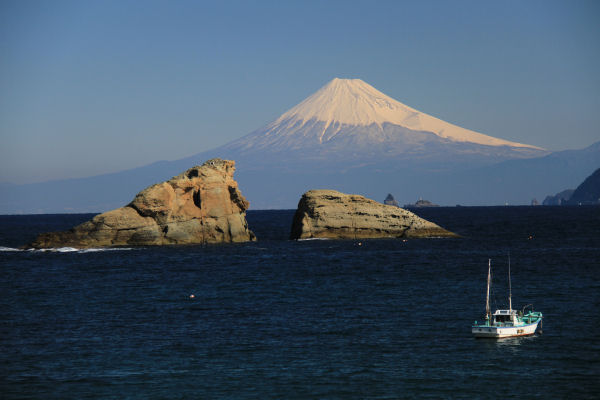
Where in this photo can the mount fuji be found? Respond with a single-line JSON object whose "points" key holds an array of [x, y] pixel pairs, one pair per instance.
{"points": [[350, 116], [351, 137], [347, 136]]}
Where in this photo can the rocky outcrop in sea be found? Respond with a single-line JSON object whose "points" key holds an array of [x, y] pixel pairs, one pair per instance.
{"points": [[559, 199], [420, 204], [335, 215], [391, 201], [201, 205]]}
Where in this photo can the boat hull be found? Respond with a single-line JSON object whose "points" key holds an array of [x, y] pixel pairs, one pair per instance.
{"points": [[496, 332]]}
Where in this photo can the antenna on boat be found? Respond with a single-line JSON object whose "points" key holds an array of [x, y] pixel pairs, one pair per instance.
{"points": [[488, 315], [509, 286]]}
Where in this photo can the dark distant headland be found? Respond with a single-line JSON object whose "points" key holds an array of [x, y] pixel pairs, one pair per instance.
{"points": [[587, 193]]}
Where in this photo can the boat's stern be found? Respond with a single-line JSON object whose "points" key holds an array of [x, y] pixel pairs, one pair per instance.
{"points": [[532, 317], [484, 331]]}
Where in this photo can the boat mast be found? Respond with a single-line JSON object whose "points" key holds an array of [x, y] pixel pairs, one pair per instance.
{"points": [[487, 297], [509, 287]]}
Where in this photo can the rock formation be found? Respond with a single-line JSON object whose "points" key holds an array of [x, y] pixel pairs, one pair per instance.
{"points": [[559, 199], [420, 204], [201, 205], [390, 201], [335, 215]]}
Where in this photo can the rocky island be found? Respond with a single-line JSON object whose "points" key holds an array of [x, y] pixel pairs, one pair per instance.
{"points": [[420, 204], [559, 199], [390, 201], [335, 215], [201, 205]]}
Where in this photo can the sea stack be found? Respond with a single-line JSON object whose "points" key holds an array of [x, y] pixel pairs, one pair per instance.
{"points": [[334, 215], [390, 201], [201, 205]]}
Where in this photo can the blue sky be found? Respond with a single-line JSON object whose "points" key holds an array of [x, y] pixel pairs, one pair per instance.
{"points": [[90, 87]]}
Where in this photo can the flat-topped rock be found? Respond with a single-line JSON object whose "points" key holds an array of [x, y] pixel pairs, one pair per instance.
{"points": [[201, 205], [335, 215]]}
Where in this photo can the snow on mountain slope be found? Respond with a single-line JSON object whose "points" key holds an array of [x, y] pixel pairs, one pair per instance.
{"points": [[351, 102]]}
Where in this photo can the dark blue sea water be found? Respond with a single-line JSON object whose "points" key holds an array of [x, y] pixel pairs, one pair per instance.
{"points": [[280, 319]]}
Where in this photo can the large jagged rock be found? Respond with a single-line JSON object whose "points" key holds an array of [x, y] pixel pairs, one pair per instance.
{"points": [[334, 215], [201, 205]]}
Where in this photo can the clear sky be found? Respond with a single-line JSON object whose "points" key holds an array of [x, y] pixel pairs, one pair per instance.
{"points": [[88, 87]]}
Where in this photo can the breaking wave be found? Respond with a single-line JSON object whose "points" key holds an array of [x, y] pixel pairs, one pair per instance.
{"points": [[2, 248], [64, 250]]}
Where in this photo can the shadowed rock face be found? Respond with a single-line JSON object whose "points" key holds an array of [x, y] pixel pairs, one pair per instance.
{"points": [[335, 215], [201, 205], [588, 192]]}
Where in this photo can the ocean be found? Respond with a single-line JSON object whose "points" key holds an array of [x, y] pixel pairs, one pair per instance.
{"points": [[281, 319]]}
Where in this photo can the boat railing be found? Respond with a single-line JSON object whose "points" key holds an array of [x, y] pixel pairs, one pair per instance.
{"points": [[525, 307], [531, 317]]}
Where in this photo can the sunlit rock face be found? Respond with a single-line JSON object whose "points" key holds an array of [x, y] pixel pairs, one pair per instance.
{"points": [[334, 215], [201, 205]]}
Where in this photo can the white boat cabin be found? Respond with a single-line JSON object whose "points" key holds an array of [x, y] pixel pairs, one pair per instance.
{"points": [[505, 317]]}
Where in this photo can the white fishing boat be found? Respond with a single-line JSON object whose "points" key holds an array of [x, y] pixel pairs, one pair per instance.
{"points": [[506, 323]]}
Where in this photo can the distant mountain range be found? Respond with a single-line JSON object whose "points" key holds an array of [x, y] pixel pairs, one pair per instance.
{"points": [[350, 137]]}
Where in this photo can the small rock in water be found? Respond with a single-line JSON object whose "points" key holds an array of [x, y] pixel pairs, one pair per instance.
{"points": [[334, 215]]}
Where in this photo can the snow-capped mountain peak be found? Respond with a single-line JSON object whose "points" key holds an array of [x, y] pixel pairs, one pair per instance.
{"points": [[356, 103], [351, 102]]}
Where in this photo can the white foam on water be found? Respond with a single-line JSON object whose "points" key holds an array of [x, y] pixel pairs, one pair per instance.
{"points": [[68, 250], [2, 248], [65, 250], [95, 250]]}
